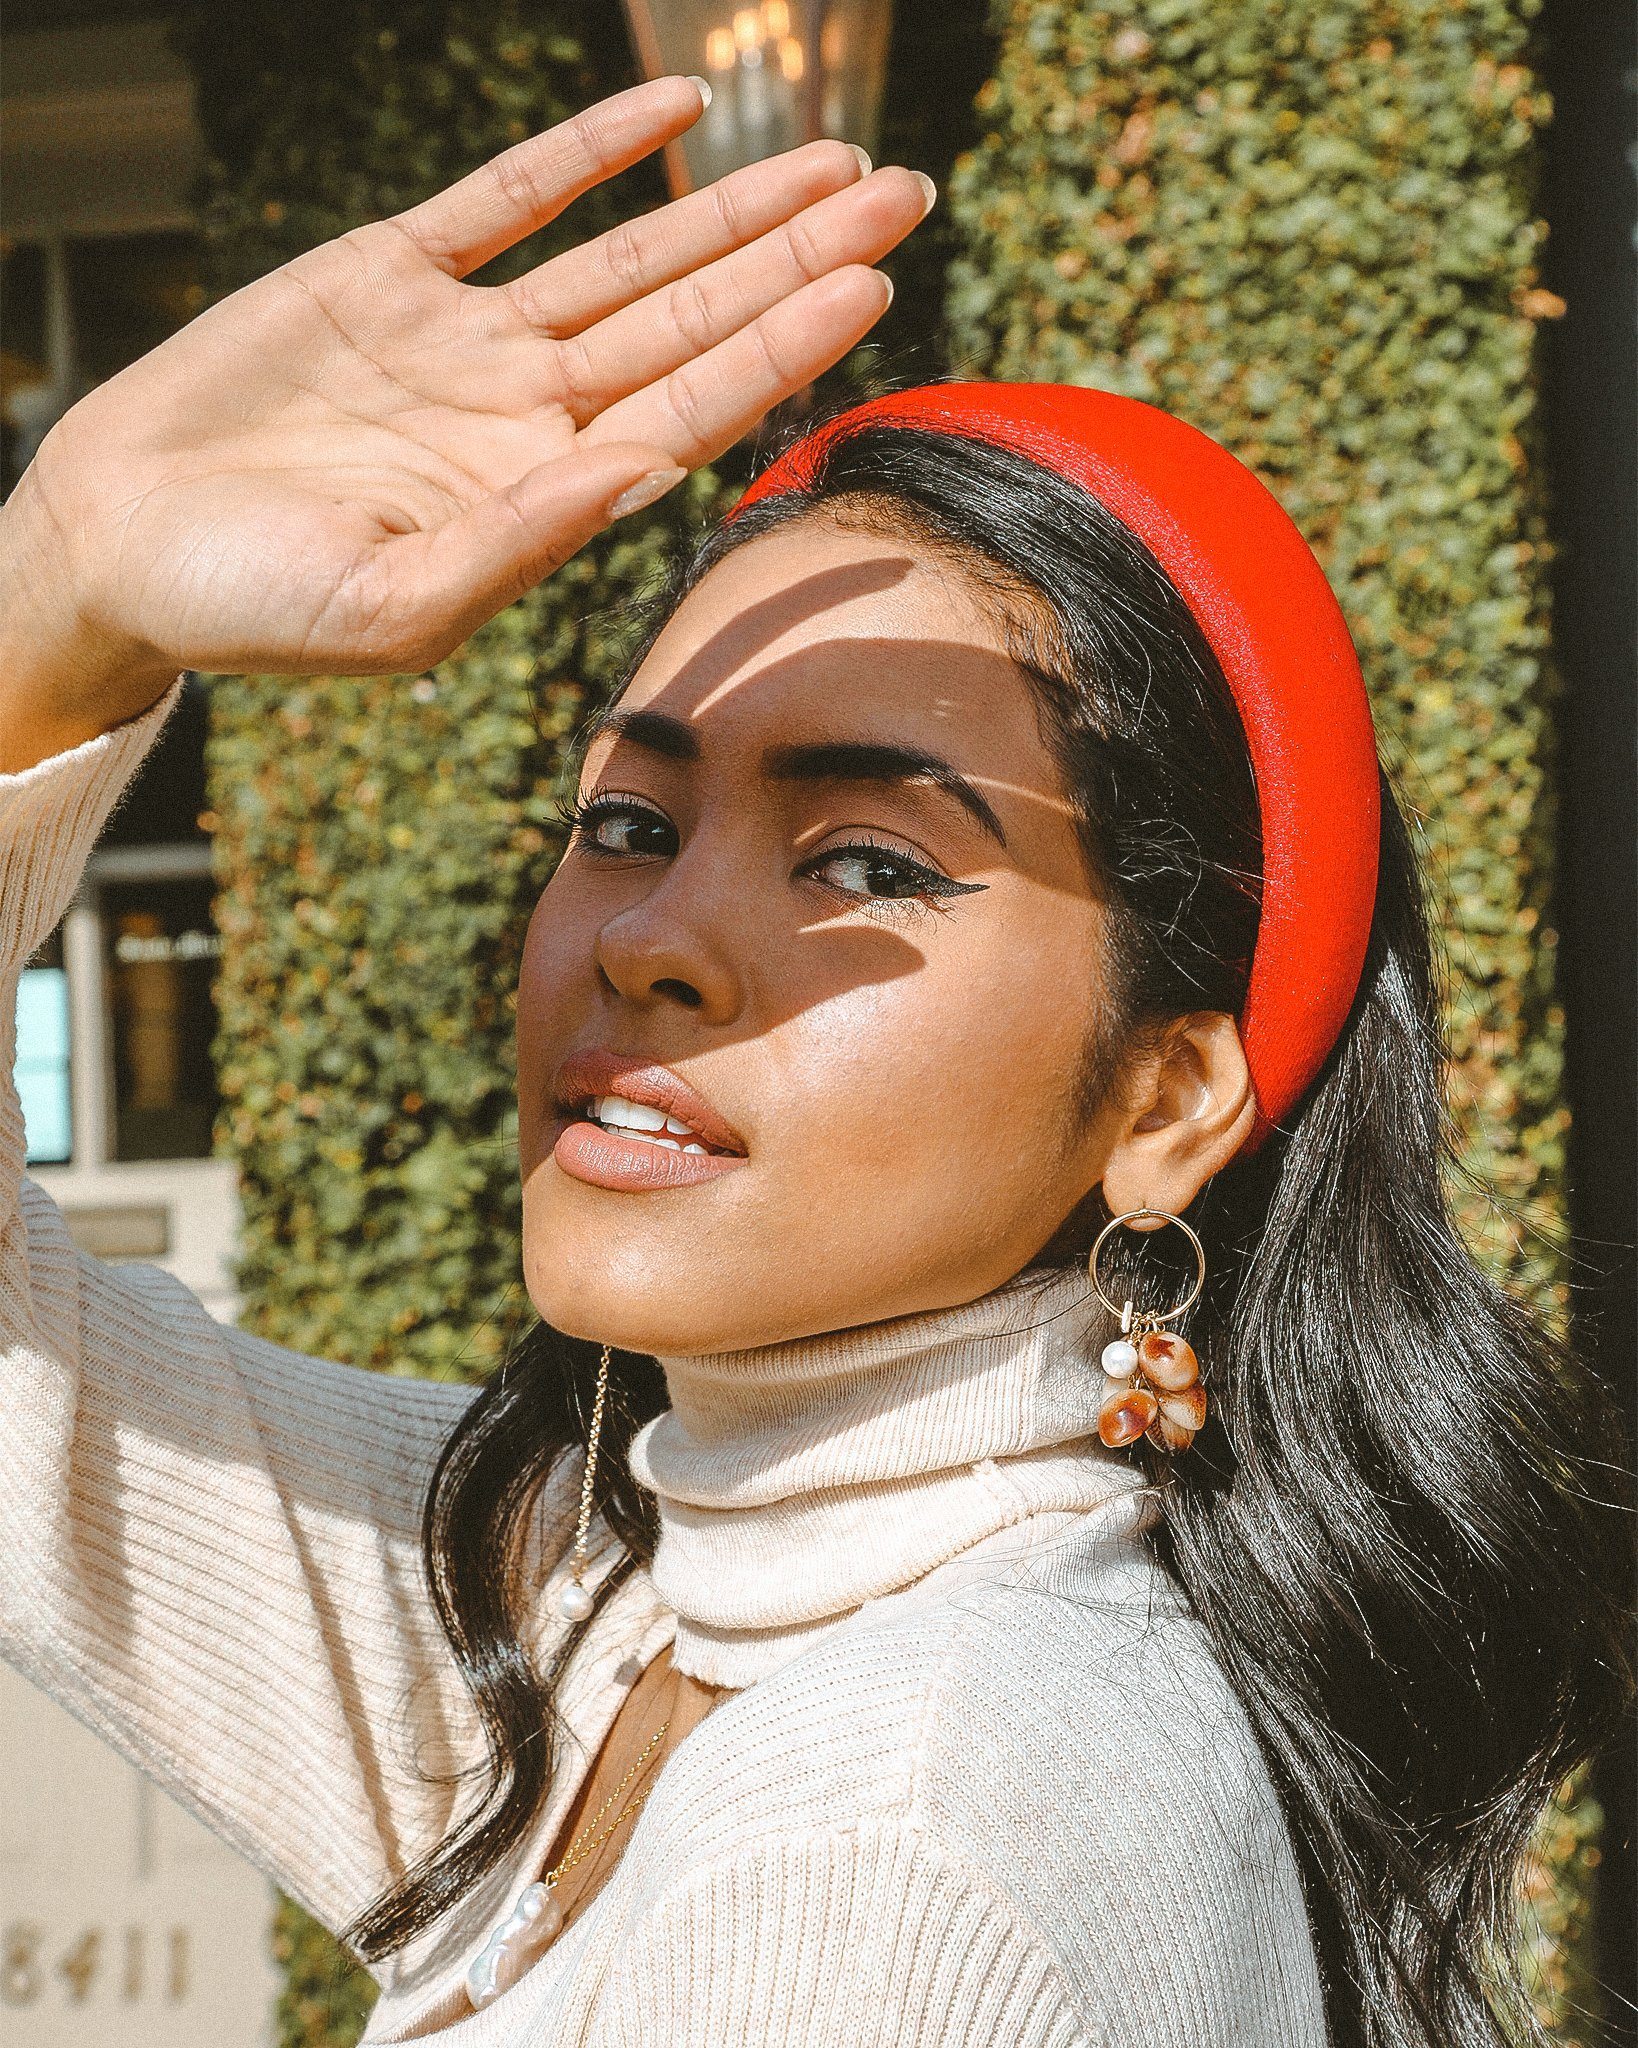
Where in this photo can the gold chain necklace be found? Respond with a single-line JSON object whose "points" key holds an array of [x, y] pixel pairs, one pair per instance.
{"points": [[536, 1918], [582, 1847]]}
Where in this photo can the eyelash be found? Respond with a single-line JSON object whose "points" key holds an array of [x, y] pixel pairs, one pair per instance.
{"points": [[582, 815]]}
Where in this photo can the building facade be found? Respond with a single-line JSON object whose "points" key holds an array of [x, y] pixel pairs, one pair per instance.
{"points": [[123, 1922]]}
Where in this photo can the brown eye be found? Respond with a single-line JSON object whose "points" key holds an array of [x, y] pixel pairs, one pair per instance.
{"points": [[880, 874], [617, 825], [867, 871]]}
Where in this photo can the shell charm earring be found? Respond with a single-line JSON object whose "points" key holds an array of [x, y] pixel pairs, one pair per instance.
{"points": [[574, 1603], [1152, 1376]]}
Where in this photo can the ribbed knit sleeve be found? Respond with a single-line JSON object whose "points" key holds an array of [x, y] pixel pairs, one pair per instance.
{"points": [[208, 1545], [867, 1935]]}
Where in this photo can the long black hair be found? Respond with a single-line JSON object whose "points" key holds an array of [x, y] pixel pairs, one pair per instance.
{"points": [[1396, 1525]]}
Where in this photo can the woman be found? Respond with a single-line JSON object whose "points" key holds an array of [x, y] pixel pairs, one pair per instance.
{"points": [[985, 868]]}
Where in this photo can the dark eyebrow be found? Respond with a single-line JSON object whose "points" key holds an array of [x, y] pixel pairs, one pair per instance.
{"points": [[654, 730], [814, 761], [879, 761]]}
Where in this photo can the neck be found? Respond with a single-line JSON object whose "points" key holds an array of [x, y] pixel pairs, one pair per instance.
{"points": [[797, 1481]]}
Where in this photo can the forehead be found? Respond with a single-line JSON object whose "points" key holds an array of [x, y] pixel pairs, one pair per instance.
{"points": [[816, 625]]}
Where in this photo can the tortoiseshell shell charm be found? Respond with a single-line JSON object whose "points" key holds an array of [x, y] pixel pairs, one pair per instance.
{"points": [[1126, 1413], [1154, 1390]]}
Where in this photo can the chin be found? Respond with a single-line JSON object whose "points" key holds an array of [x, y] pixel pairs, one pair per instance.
{"points": [[630, 1295], [636, 1271]]}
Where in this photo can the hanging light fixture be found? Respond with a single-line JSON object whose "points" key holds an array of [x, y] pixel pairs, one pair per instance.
{"points": [[781, 72]]}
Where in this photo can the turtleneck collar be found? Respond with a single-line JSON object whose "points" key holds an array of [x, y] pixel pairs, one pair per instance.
{"points": [[796, 1481]]}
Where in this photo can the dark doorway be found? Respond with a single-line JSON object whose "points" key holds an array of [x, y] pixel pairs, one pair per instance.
{"points": [[1592, 423]]}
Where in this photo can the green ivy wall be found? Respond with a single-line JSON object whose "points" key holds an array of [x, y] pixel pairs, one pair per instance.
{"points": [[1309, 229]]}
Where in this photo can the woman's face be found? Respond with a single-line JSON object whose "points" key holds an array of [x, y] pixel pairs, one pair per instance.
{"points": [[831, 884]]}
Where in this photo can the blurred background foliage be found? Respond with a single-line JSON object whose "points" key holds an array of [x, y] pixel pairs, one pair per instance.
{"points": [[1313, 231]]}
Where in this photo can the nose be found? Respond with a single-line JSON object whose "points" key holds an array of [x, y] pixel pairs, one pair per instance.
{"points": [[670, 948]]}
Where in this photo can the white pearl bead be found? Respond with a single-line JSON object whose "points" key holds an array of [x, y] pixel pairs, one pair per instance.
{"points": [[1120, 1358], [574, 1603], [545, 1916], [534, 1919], [482, 1978]]}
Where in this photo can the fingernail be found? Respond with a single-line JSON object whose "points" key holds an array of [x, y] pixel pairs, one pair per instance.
{"points": [[645, 491], [865, 165], [886, 280], [704, 88], [929, 188]]}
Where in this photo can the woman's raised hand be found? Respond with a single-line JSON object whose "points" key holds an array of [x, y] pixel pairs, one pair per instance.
{"points": [[353, 462]]}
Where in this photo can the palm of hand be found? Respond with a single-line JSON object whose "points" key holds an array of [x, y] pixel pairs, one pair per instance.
{"points": [[352, 462], [398, 402]]}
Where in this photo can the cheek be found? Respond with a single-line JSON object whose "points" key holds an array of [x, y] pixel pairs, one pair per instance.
{"points": [[949, 1085], [557, 960]]}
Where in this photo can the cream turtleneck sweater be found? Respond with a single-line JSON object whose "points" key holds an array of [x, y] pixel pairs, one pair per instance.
{"points": [[980, 1784], [799, 1481]]}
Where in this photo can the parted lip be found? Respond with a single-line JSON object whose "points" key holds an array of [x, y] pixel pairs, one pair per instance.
{"points": [[585, 1075]]}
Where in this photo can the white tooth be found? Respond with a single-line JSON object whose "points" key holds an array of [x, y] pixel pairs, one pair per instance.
{"points": [[675, 1123], [631, 1115], [636, 1116], [693, 1148], [670, 1144]]}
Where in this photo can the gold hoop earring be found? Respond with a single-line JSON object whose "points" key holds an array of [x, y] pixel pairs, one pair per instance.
{"points": [[1153, 1375], [574, 1603]]}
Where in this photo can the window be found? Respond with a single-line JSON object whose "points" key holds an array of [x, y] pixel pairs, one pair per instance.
{"points": [[43, 1079], [161, 950], [117, 1014]]}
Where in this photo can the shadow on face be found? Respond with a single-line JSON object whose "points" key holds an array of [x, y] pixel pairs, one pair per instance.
{"points": [[825, 872]]}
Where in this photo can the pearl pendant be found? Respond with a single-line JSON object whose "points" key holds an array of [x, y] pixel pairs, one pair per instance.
{"points": [[534, 1919], [1120, 1358], [574, 1603]]}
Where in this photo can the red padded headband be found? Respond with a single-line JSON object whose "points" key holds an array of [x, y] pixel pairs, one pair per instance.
{"points": [[1262, 601]]}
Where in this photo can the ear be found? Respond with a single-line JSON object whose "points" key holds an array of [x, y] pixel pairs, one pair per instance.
{"points": [[1189, 1107]]}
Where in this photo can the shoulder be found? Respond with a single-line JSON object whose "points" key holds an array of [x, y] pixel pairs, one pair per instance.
{"points": [[1043, 1726], [815, 1939], [1085, 1744]]}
